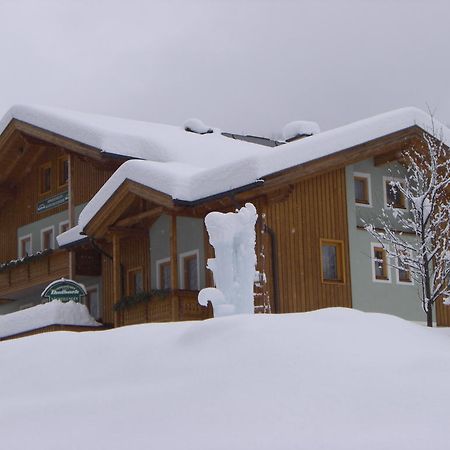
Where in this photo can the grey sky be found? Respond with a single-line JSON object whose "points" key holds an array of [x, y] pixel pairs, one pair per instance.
{"points": [[239, 65]]}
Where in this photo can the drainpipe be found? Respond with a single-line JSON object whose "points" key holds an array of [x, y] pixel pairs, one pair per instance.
{"points": [[274, 253]]}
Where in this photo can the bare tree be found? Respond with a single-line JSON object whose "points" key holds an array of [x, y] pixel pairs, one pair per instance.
{"points": [[426, 256]]}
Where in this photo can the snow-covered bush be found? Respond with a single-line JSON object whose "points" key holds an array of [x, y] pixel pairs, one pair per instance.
{"points": [[233, 237]]}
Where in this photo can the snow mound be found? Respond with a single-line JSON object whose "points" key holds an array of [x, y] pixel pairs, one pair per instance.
{"points": [[335, 379], [300, 128], [196, 126], [51, 313]]}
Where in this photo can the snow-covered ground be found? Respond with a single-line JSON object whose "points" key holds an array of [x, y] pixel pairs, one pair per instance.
{"points": [[330, 379]]}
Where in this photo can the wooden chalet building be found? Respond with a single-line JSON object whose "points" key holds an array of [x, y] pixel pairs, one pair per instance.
{"points": [[128, 200]]}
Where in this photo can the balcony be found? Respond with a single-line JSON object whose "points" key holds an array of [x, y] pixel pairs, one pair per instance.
{"points": [[39, 269], [179, 305]]}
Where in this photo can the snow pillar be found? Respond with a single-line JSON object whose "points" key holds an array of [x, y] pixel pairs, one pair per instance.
{"points": [[233, 237]]}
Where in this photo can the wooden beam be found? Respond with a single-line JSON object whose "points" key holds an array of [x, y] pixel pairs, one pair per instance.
{"points": [[150, 194], [31, 131], [117, 275], [127, 232], [380, 160], [174, 267], [152, 213]]}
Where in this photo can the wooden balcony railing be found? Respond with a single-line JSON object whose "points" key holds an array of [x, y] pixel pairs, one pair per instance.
{"points": [[181, 305], [26, 273]]}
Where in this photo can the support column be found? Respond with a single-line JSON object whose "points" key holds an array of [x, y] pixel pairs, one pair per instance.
{"points": [[71, 214], [117, 275], [174, 268]]}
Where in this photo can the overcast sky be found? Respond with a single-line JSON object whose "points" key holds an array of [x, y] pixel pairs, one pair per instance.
{"points": [[243, 66]]}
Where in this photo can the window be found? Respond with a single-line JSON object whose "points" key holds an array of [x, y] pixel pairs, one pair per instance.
{"points": [[63, 171], [135, 281], [380, 269], [403, 275], [63, 226], [25, 246], [392, 195], [332, 259], [163, 271], [48, 238], [45, 178], [362, 189], [189, 271], [92, 301]]}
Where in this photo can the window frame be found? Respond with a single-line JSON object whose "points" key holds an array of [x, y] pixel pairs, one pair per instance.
{"points": [[61, 224], [53, 243], [60, 170], [181, 264], [42, 167], [130, 273], [367, 178], [388, 279], [340, 260], [402, 282], [159, 263], [386, 205], [21, 239]]}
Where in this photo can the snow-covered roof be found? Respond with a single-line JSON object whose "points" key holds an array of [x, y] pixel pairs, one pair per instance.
{"points": [[132, 138], [189, 166], [51, 313], [191, 182]]}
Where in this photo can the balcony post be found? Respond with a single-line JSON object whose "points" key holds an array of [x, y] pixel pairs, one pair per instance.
{"points": [[117, 277], [174, 267]]}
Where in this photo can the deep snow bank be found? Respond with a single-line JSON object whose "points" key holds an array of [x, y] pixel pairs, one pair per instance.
{"points": [[51, 313], [331, 379]]}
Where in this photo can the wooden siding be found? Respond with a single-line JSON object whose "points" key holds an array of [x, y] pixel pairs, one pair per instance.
{"points": [[315, 209], [442, 314], [88, 179]]}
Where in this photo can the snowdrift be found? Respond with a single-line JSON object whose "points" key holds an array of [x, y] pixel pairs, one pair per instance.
{"points": [[51, 313], [331, 379]]}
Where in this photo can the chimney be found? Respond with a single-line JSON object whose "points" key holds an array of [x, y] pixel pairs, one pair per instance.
{"points": [[299, 129]]}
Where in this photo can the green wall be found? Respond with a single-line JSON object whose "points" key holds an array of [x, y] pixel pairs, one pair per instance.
{"points": [[368, 295], [35, 228], [190, 237]]}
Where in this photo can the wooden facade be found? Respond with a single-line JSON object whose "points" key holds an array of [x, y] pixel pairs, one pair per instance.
{"points": [[299, 209], [39, 168]]}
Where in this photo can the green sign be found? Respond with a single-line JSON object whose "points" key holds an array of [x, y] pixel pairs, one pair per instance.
{"points": [[64, 290], [53, 202]]}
